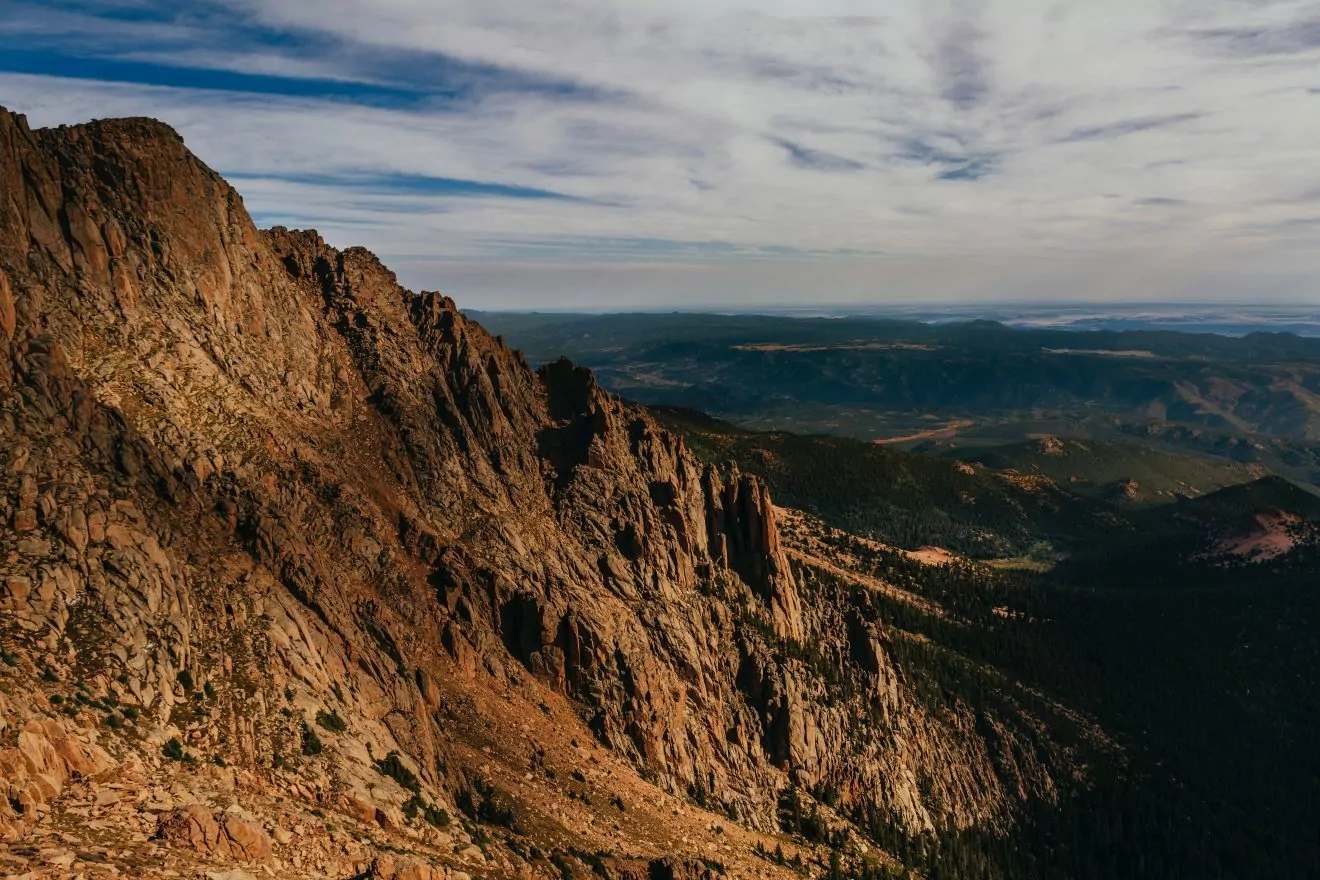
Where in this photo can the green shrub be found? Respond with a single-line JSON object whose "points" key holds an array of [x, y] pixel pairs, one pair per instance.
{"points": [[173, 750], [393, 767], [480, 804], [331, 721], [311, 743]]}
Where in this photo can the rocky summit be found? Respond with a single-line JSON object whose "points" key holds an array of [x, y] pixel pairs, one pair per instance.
{"points": [[305, 574]]}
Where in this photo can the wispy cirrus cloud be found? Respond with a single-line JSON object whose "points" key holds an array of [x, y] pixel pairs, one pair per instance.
{"points": [[946, 148], [819, 160], [1288, 38], [961, 68], [1129, 126]]}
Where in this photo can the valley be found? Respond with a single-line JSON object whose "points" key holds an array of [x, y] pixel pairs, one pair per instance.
{"points": [[1250, 399]]}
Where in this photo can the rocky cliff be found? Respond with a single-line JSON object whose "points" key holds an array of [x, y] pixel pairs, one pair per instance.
{"points": [[304, 569]]}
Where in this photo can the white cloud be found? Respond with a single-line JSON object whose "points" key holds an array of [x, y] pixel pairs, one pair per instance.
{"points": [[1026, 142]]}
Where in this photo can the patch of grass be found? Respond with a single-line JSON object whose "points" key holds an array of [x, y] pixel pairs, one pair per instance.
{"points": [[173, 750]]}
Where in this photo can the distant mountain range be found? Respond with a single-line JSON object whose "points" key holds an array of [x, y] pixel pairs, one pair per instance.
{"points": [[1235, 319], [1253, 399]]}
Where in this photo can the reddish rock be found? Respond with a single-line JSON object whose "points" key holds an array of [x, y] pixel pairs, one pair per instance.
{"points": [[7, 316], [374, 480], [393, 867], [194, 826], [247, 842]]}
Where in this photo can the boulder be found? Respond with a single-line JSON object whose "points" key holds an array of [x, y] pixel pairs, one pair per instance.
{"points": [[229, 838], [392, 867]]}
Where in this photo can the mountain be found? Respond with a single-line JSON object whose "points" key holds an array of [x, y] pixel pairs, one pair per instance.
{"points": [[1252, 399], [1186, 635], [305, 574], [302, 568], [1125, 473], [899, 497]]}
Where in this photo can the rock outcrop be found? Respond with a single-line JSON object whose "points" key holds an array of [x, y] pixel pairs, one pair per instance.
{"points": [[228, 837], [38, 768], [264, 507]]}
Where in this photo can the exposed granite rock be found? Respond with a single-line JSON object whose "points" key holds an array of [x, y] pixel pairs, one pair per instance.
{"points": [[36, 771], [226, 838], [256, 490], [392, 867]]}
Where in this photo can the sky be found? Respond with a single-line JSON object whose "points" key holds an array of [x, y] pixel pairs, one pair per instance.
{"points": [[698, 153]]}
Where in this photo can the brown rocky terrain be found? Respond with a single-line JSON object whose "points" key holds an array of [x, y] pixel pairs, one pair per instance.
{"points": [[303, 574]]}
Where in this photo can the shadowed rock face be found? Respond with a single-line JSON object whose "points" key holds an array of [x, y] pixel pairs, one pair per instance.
{"points": [[255, 459]]}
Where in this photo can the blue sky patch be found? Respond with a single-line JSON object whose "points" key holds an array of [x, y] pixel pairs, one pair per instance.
{"points": [[412, 184]]}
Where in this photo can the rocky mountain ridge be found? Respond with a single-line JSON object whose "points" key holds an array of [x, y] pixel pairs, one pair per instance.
{"points": [[307, 571]]}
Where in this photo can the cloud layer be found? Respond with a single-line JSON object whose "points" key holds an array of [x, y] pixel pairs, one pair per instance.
{"points": [[650, 153]]}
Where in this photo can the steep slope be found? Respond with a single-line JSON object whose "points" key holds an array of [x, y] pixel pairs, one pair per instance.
{"points": [[285, 543], [1211, 539], [900, 497]]}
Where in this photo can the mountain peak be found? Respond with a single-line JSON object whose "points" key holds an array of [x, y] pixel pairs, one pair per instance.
{"points": [[280, 476]]}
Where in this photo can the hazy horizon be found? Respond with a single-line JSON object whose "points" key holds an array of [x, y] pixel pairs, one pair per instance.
{"points": [[1230, 319], [647, 154]]}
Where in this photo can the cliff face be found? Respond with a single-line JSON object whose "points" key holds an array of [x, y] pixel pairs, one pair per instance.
{"points": [[250, 481]]}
